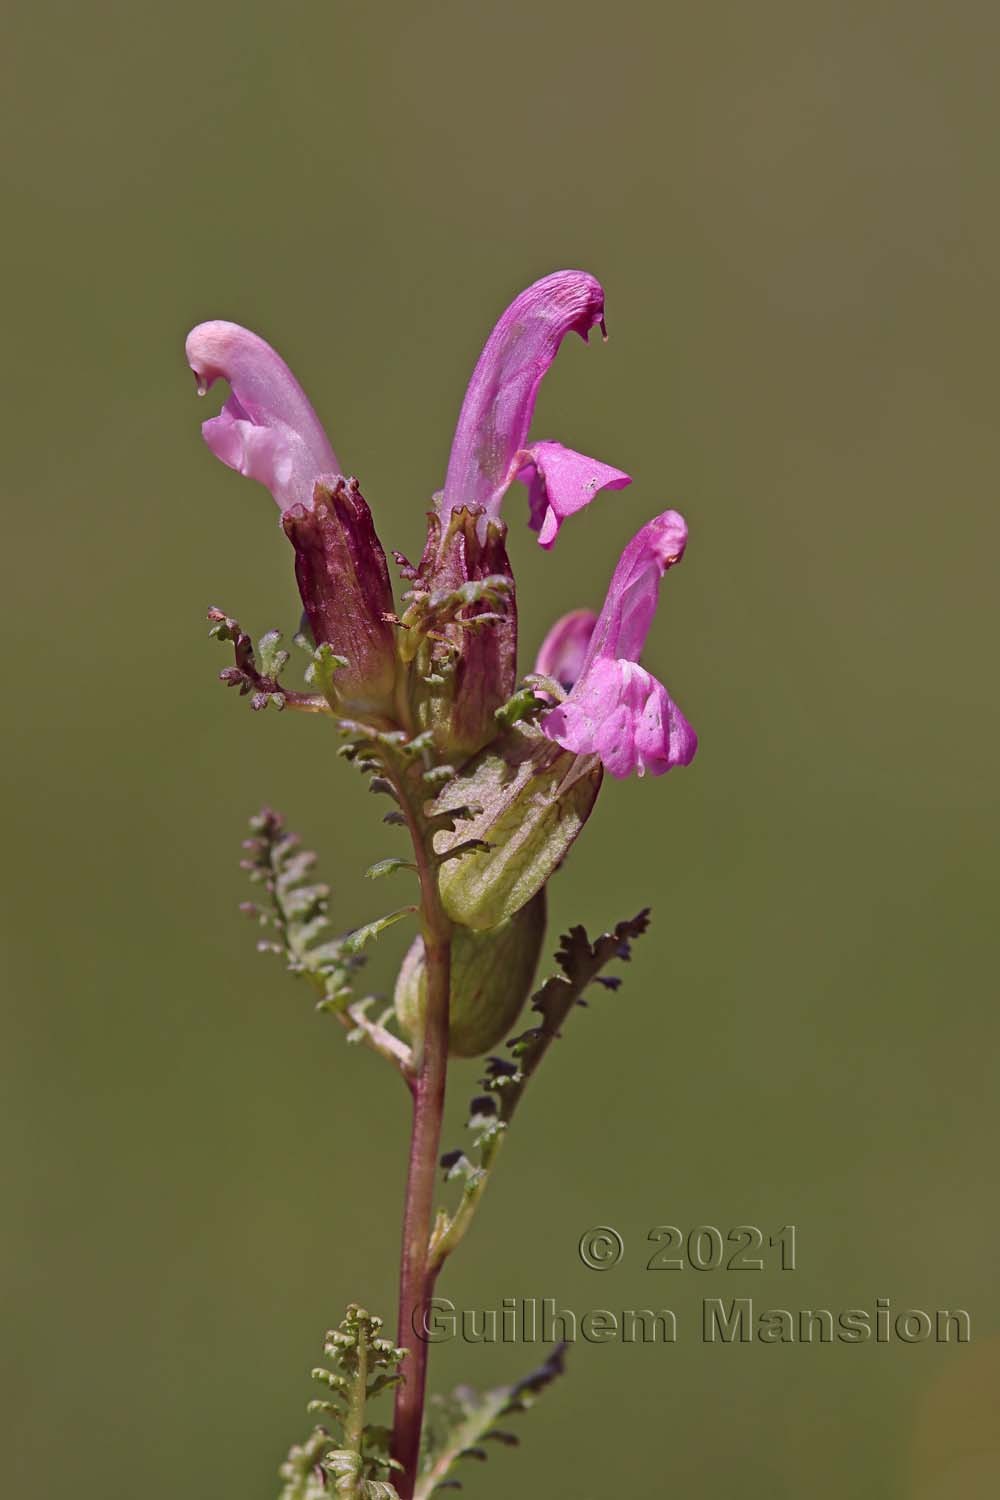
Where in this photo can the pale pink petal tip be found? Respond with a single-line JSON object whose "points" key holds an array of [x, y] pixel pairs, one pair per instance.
{"points": [[267, 428]]}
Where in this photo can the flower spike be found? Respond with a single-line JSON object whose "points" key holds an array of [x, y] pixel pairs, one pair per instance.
{"points": [[488, 452], [267, 428], [617, 709], [492, 783]]}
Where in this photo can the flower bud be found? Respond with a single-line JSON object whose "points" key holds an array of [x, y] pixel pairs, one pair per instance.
{"points": [[564, 650], [533, 799], [491, 977], [344, 582]]}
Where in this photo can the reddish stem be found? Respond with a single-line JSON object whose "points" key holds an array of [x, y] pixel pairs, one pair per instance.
{"points": [[417, 1276]]}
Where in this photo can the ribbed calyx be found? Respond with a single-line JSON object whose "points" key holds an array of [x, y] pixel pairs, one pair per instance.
{"points": [[467, 667], [344, 583]]}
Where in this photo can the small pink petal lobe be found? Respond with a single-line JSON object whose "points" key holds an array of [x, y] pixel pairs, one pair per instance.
{"points": [[620, 712], [561, 482]]}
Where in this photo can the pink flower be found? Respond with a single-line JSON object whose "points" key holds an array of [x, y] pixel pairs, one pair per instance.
{"points": [[267, 429], [488, 451], [616, 709], [455, 680]]}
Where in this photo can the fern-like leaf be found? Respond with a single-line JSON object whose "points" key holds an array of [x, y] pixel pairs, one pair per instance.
{"points": [[351, 1457], [501, 1090], [257, 670], [458, 1425], [296, 920]]}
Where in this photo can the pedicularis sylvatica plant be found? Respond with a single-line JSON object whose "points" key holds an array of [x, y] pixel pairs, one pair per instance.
{"points": [[491, 782]]}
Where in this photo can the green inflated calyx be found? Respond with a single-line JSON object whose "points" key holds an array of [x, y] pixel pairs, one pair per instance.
{"points": [[491, 977], [531, 800]]}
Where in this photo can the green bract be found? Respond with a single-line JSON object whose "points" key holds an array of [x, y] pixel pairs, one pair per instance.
{"points": [[534, 799], [491, 976]]}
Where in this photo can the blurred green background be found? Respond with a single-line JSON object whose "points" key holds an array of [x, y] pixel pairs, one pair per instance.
{"points": [[794, 211]]}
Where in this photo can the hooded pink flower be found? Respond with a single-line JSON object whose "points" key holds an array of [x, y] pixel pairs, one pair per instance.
{"points": [[267, 429], [616, 709], [488, 452]]}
